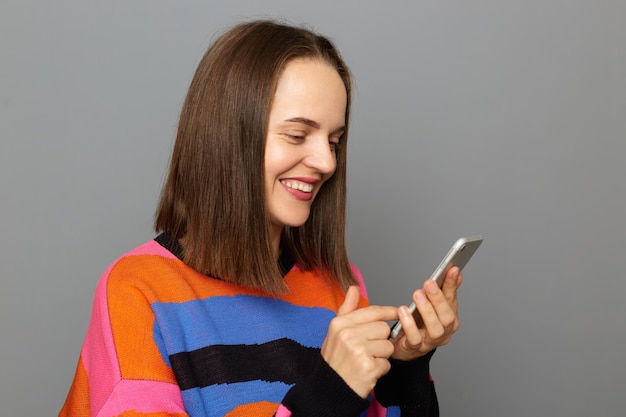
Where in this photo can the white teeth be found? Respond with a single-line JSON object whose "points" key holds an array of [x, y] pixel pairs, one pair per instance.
{"points": [[307, 188]]}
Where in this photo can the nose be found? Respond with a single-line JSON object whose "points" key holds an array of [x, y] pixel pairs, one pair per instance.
{"points": [[320, 155]]}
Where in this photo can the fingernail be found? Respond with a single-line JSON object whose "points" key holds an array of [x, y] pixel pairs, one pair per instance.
{"points": [[431, 287], [421, 297]]}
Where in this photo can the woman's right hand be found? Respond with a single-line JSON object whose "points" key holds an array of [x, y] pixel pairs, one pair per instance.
{"points": [[357, 344]]}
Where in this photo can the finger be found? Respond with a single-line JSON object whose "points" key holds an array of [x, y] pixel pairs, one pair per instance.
{"points": [[446, 309], [435, 294], [432, 323], [443, 296], [409, 325], [351, 302], [372, 314], [382, 365], [451, 284], [380, 348], [377, 330]]}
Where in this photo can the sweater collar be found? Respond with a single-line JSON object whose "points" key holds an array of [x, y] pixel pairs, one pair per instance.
{"points": [[285, 261]]}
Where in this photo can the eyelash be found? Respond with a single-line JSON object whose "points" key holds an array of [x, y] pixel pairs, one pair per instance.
{"points": [[333, 145]]}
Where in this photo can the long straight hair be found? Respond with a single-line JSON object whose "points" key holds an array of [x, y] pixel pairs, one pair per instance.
{"points": [[212, 199]]}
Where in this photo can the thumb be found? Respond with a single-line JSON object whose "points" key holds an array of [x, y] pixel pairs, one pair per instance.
{"points": [[351, 302]]}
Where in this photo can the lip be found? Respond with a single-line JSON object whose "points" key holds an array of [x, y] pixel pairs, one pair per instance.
{"points": [[300, 195], [307, 180]]}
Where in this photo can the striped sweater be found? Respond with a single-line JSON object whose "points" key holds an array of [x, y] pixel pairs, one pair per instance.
{"points": [[165, 340]]}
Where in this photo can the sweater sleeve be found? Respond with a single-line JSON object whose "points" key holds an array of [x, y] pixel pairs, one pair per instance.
{"points": [[120, 371], [324, 393], [407, 390], [408, 386]]}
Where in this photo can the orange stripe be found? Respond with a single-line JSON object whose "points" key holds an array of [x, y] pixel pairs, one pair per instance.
{"points": [[133, 413], [261, 408], [170, 280], [132, 323], [77, 401]]}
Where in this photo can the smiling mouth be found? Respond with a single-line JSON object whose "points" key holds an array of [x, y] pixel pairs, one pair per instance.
{"points": [[297, 185]]}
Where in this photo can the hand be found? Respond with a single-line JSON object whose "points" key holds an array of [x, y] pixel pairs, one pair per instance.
{"points": [[357, 345], [439, 311]]}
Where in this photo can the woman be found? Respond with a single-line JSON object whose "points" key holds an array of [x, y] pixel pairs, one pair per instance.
{"points": [[246, 304]]}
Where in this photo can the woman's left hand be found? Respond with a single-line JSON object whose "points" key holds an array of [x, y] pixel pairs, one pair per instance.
{"points": [[439, 311]]}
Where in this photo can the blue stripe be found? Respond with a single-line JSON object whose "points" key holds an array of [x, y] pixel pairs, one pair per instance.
{"points": [[240, 319], [393, 411], [245, 392]]}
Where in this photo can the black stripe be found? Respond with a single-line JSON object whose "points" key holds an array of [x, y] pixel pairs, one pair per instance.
{"points": [[171, 244], [282, 360]]}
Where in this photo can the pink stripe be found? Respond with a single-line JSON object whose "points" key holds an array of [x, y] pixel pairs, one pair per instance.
{"points": [[99, 350], [359, 277], [282, 411], [376, 410], [98, 354], [151, 248], [143, 397]]}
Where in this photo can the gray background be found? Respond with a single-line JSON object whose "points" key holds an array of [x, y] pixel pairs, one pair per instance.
{"points": [[502, 118]]}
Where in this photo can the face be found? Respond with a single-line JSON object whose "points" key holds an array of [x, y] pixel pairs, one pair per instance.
{"points": [[306, 122]]}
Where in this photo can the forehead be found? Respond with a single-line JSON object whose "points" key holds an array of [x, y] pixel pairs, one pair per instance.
{"points": [[310, 88]]}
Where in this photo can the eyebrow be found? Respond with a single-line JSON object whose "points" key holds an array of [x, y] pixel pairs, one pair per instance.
{"points": [[312, 123]]}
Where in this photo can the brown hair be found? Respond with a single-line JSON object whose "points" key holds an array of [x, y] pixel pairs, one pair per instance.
{"points": [[211, 199]]}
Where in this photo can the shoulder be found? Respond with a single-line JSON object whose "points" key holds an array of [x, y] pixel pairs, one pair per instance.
{"points": [[150, 269], [144, 260], [157, 274]]}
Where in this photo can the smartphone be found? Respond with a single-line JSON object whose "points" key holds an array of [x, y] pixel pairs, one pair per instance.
{"points": [[459, 255]]}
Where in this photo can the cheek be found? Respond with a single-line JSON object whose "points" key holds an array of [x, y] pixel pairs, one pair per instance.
{"points": [[274, 153], [275, 167], [270, 162], [278, 160]]}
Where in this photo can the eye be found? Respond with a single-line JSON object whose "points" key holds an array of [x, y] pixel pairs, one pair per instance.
{"points": [[335, 143], [295, 136]]}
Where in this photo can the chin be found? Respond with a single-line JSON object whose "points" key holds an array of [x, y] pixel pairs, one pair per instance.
{"points": [[294, 221]]}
